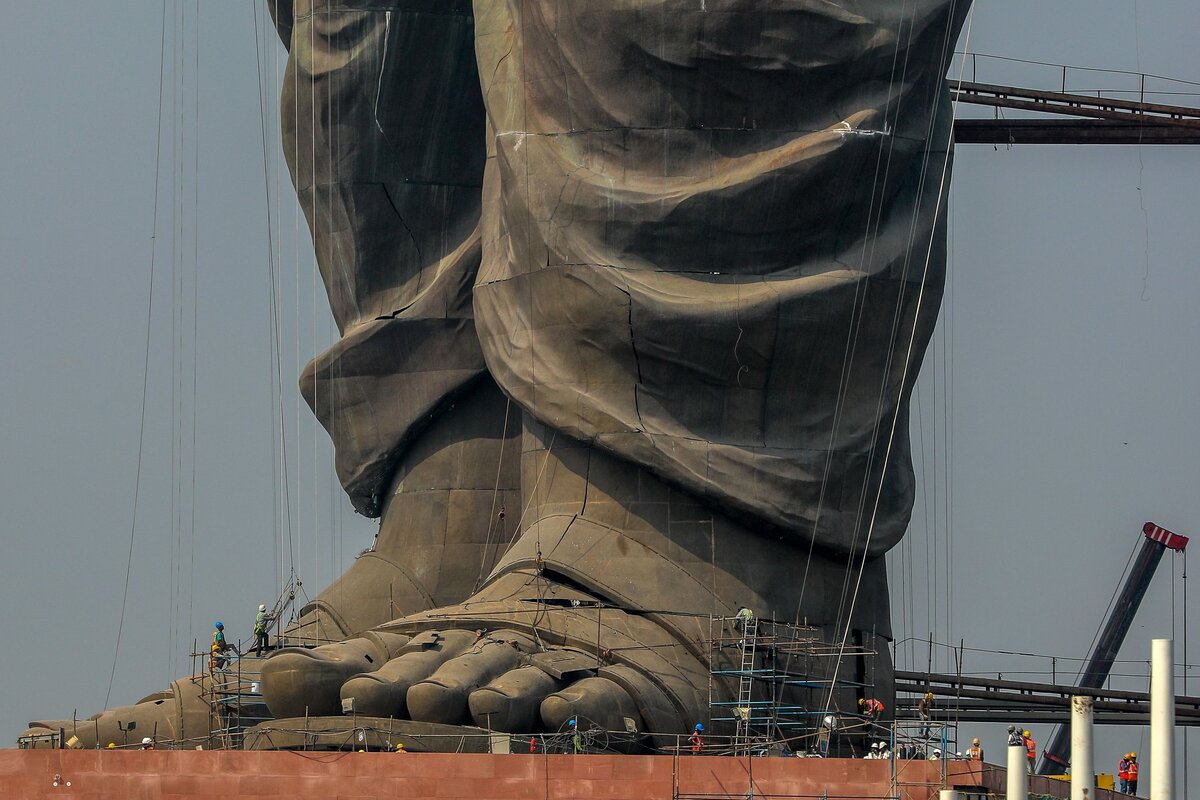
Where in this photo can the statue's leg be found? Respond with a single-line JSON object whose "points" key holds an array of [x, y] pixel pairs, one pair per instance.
{"points": [[383, 134], [713, 252]]}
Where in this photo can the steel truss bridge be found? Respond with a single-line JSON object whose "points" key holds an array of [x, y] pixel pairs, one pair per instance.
{"points": [[975, 699]]}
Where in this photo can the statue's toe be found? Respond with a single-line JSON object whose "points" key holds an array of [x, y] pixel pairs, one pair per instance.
{"points": [[383, 693], [598, 700], [510, 703], [375, 695], [298, 682], [442, 697]]}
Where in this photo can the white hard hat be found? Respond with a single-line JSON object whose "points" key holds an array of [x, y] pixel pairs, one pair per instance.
{"points": [[145, 740], [262, 606], [875, 746]]}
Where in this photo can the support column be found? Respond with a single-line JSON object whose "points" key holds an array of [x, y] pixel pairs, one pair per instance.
{"points": [[1162, 719], [1083, 771], [1018, 773]]}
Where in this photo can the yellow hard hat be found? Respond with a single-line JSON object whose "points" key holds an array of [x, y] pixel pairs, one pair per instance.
{"points": [[929, 695], [861, 701], [112, 745], [1133, 755], [1027, 733], [400, 746]]}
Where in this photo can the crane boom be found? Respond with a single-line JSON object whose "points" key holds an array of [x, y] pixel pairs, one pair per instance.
{"points": [[1157, 541]]}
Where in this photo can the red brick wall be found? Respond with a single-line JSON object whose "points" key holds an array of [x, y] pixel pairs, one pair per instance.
{"points": [[176, 775]]}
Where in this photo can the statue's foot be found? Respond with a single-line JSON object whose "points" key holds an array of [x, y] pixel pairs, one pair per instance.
{"points": [[177, 714], [444, 520], [602, 608], [525, 655]]}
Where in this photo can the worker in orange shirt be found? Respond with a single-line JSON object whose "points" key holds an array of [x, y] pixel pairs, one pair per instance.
{"points": [[1030, 749], [871, 708], [975, 752], [1132, 772]]}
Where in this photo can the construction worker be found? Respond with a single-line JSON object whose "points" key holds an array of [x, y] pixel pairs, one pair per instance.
{"points": [[1123, 773], [871, 708], [697, 739], [262, 623], [742, 621], [217, 658], [1132, 772], [925, 711], [147, 743], [576, 737], [975, 752], [874, 752], [825, 734], [400, 748], [1030, 749]]}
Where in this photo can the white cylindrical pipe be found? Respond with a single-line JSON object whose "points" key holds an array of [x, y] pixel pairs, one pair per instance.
{"points": [[1083, 772], [1018, 773], [949, 794], [1162, 719]]}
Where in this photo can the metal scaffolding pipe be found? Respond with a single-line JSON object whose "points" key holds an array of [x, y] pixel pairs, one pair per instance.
{"points": [[1083, 772], [1162, 719]]}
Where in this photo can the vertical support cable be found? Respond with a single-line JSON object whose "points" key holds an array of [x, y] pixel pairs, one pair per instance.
{"points": [[137, 483]]}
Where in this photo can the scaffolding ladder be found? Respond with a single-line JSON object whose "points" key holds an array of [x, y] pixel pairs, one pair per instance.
{"points": [[745, 701]]}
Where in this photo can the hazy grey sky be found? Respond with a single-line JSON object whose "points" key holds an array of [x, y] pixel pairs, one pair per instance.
{"points": [[1056, 411]]}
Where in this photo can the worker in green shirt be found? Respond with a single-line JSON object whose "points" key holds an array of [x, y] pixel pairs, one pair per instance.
{"points": [[262, 623]]}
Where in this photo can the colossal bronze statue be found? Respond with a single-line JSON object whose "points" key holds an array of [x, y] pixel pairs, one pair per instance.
{"points": [[632, 295]]}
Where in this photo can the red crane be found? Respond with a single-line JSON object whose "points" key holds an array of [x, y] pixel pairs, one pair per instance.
{"points": [[1158, 540]]}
